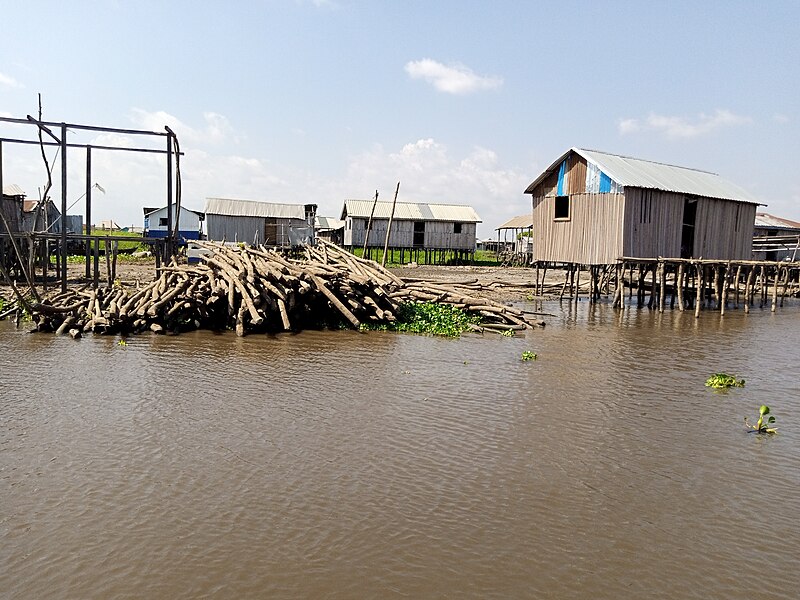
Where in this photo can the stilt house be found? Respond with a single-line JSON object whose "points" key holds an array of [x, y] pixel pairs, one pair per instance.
{"points": [[435, 229], [259, 222], [593, 208]]}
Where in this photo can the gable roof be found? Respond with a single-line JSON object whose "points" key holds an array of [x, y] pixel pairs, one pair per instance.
{"points": [[635, 172], [12, 189], [326, 223], [520, 222], [410, 211], [251, 208], [149, 211], [767, 220]]}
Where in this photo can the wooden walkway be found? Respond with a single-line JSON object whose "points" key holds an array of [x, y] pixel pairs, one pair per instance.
{"points": [[685, 284]]}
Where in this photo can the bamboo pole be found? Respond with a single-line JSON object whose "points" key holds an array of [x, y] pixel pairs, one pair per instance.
{"points": [[679, 286], [369, 225], [389, 227]]}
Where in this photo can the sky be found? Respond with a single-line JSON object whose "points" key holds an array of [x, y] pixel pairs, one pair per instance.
{"points": [[317, 101]]}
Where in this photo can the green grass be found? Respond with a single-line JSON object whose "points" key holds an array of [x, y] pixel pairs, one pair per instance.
{"points": [[482, 257], [124, 246]]}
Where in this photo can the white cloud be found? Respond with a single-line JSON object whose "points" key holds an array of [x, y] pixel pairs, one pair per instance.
{"points": [[216, 128], [428, 172], [9, 81], [780, 118], [681, 127], [453, 79]]}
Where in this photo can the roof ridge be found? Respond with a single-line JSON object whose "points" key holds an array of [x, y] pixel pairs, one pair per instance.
{"points": [[654, 162]]}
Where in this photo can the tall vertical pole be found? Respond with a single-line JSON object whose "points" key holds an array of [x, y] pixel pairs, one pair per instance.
{"points": [[169, 198], [369, 226], [88, 208], [63, 207], [389, 227], [1, 168]]}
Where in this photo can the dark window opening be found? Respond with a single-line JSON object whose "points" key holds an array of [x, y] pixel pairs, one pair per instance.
{"points": [[456, 227], [562, 207], [162, 222]]}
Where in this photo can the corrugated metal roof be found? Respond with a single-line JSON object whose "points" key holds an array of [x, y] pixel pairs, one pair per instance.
{"points": [[520, 222], [12, 189], [771, 221], [327, 223], [409, 211], [635, 172], [251, 208]]}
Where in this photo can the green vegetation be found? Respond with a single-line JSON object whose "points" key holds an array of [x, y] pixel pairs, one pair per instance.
{"points": [[723, 381], [761, 426], [428, 317], [124, 246], [508, 333], [528, 355], [482, 257]]}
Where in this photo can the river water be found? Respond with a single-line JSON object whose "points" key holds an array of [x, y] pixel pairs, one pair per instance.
{"points": [[379, 465]]}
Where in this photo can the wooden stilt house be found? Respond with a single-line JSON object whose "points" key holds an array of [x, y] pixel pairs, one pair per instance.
{"points": [[593, 208], [424, 232]]}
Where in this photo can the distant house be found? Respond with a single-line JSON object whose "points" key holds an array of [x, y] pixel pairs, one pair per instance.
{"points": [[11, 201], [108, 225], [259, 222], [593, 208], [519, 230], [190, 223], [328, 228], [775, 238], [428, 227]]}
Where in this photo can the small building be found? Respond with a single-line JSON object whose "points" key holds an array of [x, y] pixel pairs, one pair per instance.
{"points": [[593, 208], [259, 222], [108, 225], [189, 226], [11, 202], [775, 238], [515, 235], [328, 228], [436, 229]]}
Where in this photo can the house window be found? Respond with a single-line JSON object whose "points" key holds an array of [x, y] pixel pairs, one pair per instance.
{"points": [[646, 207], [562, 208], [456, 227], [162, 222]]}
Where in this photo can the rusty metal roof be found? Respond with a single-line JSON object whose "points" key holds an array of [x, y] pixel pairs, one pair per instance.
{"points": [[251, 208], [409, 211], [635, 172], [771, 221]]}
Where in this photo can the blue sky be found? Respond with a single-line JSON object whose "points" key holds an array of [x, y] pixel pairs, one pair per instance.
{"points": [[462, 102]]}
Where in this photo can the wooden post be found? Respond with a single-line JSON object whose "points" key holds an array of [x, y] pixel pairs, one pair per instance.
{"points": [[736, 288], [663, 289], [577, 283], [389, 227], [747, 289], [88, 208], [369, 226], [699, 288], [63, 206], [724, 294], [775, 288], [679, 286]]}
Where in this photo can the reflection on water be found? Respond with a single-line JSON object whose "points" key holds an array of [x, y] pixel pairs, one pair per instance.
{"points": [[341, 465]]}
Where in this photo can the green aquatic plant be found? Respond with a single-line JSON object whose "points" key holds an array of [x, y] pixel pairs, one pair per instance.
{"points": [[528, 355], [723, 380], [508, 333], [761, 426], [122, 343], [428, 317]]}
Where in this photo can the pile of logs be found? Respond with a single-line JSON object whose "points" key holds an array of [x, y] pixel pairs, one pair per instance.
{"points": [[254, 290]]}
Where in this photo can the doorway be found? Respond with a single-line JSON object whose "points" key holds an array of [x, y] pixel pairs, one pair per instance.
{"points": [[687, 231], [419, 234]]}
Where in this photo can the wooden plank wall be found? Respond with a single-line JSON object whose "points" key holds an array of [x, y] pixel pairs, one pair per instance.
{"points": [[724, 229], [438, 234], [653, 223], [575, 177], [592, 235]]}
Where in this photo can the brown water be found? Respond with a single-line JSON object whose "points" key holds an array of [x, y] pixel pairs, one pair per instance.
{"points": [[345, 465]]}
